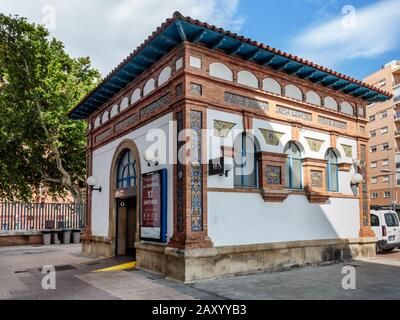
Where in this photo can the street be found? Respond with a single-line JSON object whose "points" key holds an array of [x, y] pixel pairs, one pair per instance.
{"points": [[21, 278]]}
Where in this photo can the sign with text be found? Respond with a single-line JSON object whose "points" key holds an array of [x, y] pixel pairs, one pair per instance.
{"points": [[153, 217]]}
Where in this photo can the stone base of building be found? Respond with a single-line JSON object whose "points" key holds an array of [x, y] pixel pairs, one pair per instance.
{"points": [[98, 246], [200, 264]]}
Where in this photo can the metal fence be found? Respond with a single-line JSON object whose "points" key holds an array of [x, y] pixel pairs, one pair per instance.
{"points": [[39, 216]]}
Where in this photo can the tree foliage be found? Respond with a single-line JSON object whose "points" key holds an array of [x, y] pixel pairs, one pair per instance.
{"points": [[39, 84]]}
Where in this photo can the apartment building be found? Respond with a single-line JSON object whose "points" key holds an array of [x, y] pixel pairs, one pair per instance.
{"points": [[384, 132]]}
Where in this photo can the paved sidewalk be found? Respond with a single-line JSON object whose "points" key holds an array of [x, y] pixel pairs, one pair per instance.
{"points": [[20, 278]]}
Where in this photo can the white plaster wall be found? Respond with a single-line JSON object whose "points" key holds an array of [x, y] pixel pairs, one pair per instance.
{"points": [[214, 143], [239, 219], [278, 127], [102, 159], [304, 133]]}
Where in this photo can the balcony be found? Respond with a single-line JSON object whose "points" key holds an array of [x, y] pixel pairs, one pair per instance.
{"points": [[396, 94]]}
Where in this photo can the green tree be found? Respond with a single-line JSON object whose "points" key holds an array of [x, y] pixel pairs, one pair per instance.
{"points": [[39, 84]]}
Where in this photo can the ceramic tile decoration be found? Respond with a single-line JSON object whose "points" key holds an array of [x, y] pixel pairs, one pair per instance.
{"points": [[332, 123], [271, 137], [314, 144], [179, 176], [196, 172], [316, 179], [348, 150], [273, 174], [196, 89], [294, 113], [164, 100], [222, 128], [244, 101]]}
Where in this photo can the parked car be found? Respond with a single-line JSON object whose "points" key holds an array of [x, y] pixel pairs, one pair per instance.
{"points": [[385, 224]]}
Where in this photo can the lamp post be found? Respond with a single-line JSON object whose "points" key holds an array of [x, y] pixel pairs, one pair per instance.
{"points": [[392, 204]]}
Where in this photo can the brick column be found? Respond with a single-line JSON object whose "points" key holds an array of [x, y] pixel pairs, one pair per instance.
{"points": [[87, 231], [365, 201], [190, 187]]}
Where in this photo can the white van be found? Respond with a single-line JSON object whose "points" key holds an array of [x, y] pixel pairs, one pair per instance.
{"points": [[385, 224]]}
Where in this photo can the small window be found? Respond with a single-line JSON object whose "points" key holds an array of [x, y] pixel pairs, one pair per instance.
{"points": [[386, 194], [374, 164], [374, 195], [373, 149], [384, 130], [372, 118], [374, 221], [331, 171], [383, 114], [385, 146], [382, 83], [374, 179], [391, 220], [293, 166], [372, 134], [245, 162], [385, 163], [385, 178]]}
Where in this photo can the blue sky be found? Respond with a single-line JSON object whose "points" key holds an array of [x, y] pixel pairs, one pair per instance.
{"points": [[278, 23], [108, 31]]}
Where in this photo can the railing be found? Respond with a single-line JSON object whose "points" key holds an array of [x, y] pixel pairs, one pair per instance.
{"points": [[39, 216]]}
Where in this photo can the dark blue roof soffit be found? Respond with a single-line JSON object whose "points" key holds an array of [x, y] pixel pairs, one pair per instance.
{"points": [[180, 31]]}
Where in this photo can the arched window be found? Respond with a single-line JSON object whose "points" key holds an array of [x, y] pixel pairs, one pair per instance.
{"points": [[219, 70], [149, 86], [126, 173], [293, 167], [271, 85], [346, 107], [330, 103], [124, 103], [164, 76], [293, 92], [313, 98], [245, 162], [331, 171], [247, 78]]}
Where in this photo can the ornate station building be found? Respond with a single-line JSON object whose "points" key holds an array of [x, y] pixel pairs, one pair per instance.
{"points": [[259, 164]]}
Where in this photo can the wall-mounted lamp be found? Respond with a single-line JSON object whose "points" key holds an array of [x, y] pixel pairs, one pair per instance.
{"points": [[92, 182], [356, 163], [356, 179], [150, 157], [228, 167]]}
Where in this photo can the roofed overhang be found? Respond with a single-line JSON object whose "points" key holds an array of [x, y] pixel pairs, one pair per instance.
{"points": [[178, 29]]}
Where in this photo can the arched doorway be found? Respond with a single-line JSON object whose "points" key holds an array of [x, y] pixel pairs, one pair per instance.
{"points": [[124, 199]]}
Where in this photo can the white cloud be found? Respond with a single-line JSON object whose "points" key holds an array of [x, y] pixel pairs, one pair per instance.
{"points": [[377, 30], [108, 31]]}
